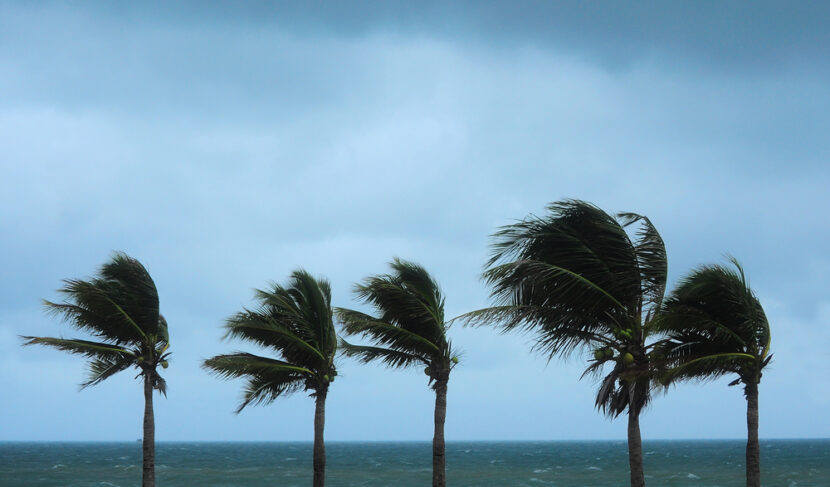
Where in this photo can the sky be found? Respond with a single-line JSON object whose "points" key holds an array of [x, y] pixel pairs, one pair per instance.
{"points": [[226, 144]]}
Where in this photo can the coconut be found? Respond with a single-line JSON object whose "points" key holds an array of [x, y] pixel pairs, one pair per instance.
{"points": [[628, 359], [455, 360], [164, 364]]}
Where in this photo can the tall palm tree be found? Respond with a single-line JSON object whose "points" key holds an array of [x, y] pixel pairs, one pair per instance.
{"points": [[295, 321], [716, 326], [408, 330], [120, 309], [576, 279]]}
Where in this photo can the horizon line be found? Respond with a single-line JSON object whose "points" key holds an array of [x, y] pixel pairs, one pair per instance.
{"points": [[420, 441]]}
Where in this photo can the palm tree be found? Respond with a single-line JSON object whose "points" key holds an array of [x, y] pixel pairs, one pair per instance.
{"points": [[716, 326], [576, 279], [296, 322], [120, 309], [408, 330]]}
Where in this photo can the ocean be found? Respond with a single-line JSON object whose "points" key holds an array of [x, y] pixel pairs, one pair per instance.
{"points": [[469, 464]]}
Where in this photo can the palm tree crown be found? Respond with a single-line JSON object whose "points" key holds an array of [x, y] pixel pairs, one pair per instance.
{"points": [[295, 321], [409, 328], [120, 308], [715, 326]]}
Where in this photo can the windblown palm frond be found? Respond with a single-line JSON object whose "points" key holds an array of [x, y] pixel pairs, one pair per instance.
{"points": [[651, 258], [389, 357], [268, 379]]}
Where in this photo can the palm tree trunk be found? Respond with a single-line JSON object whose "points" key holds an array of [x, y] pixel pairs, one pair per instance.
{"points": [[148, 472], [753, 448], [319, 444], [635, 450], [439, 462]]}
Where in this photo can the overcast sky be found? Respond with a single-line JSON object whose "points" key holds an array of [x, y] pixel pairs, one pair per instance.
{"points": [[224, 146]]}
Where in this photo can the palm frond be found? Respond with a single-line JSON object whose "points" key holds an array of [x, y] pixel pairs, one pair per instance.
{"points": [[105, 366], [622, 391], [262, 390], [390, 358], [135, 291], [651, 258], [79, 347], [709, 367], [386, 334], [267, 378], [264, 330], [240, 364]]}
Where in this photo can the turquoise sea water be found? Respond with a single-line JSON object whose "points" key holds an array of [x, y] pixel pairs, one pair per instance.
{"points": [[473, 464]]}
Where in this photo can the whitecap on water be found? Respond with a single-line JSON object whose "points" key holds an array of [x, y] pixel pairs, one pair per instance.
{"points": [[692, 476]]}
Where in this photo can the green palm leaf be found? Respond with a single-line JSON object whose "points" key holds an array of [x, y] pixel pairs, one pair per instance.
{"points": [[391, 358]]}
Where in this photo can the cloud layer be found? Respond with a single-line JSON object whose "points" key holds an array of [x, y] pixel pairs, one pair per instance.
{"points": [[224, 149]]}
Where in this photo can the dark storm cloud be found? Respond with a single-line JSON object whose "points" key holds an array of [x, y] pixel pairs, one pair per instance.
{"points": [[760, 35]]}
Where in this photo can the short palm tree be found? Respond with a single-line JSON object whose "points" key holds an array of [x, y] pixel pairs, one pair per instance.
{"points": [[716, 326], [120, 309], [408, 330], [295, 321], [577, 279]]}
